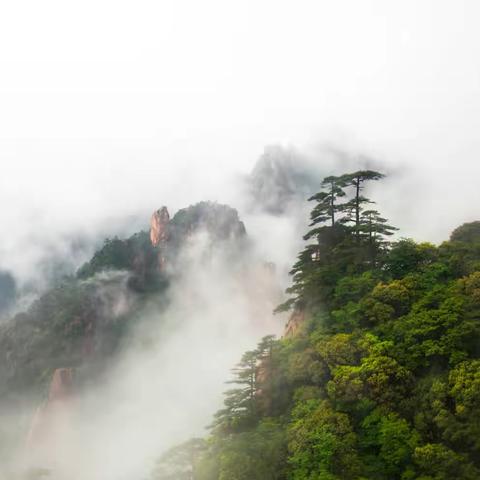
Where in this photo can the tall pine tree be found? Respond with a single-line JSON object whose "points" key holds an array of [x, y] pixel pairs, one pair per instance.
{"points": [[353, 209], [240, 402], [348, 238]]}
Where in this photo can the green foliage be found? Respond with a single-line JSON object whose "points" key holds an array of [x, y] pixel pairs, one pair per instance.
{"points": [[466, 233], [406, 257], [388, 442], [349, 239], [326, 209], [135, 255], [353, 288], [180, 462], [384, 384], [322, 444], [257, 455], [241, 405], [438, 462], [462, 258], [117, 254], [49, 334]]}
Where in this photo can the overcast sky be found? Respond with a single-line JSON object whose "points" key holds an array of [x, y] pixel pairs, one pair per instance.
{"points": [[108, 107]]}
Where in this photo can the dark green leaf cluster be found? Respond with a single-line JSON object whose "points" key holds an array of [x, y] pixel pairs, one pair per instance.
{"points": [[135, 255]]}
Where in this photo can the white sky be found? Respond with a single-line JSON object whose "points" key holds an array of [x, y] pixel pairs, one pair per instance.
{"points": [[108, 107]]}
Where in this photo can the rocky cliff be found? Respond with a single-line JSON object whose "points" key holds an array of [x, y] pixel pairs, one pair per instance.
{"points": [[221, 222], [294, 324], [51, 426], [159, 226], [77, 329], [145, 254]]}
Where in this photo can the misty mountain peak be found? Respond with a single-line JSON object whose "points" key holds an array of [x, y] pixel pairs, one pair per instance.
{"points": [[281, 177], [220, 221]]}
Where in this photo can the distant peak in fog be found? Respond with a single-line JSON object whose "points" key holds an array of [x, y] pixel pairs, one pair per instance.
{"points": [[281, 177]]}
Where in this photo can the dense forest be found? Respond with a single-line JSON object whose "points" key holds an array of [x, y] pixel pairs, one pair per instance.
{"points": [[380, 377]]}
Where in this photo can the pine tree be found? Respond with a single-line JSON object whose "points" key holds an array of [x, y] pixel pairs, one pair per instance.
{"points": [[266, 373], [325, 212], [374, 229], [240, 403], [179, 463], [348, 238], [353, 208]]}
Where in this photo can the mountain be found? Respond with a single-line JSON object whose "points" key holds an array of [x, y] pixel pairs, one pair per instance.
{"points": [[378, 374], [280, 178], [73, 334]]}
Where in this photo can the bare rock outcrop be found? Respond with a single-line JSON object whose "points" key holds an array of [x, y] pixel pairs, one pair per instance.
{"points": [[159, 226], [296, 320], [51, 425]]}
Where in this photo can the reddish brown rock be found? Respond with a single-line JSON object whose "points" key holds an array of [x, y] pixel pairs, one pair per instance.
{"points": [[294, 323], [61, 386], [159, 226], [51, 425]]}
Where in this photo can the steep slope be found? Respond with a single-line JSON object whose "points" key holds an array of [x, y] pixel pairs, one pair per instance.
{"points": [[377, 376], [80, 327]]}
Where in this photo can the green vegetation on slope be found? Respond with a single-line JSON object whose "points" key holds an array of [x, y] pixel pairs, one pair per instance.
{"points": [[382, 381], [136, 254], [83, 322]]}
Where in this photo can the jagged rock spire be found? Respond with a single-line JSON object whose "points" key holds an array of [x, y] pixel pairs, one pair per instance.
{"points": [[158, 226]]}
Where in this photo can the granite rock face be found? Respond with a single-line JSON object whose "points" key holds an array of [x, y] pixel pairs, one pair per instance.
{"points": [[294, 323], [159, 226]]}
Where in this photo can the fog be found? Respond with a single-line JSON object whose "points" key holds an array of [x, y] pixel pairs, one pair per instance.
{"points": [[168, 381], [111, 109], [115, 107]]}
